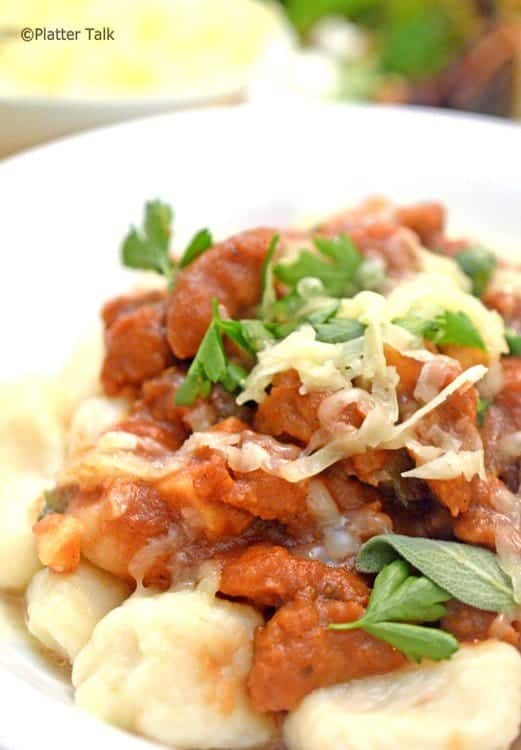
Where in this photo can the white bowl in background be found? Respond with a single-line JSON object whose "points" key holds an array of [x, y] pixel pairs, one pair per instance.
{"points": [[29, 121]]}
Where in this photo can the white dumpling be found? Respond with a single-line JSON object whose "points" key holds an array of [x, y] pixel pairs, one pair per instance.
{"points": [[470, 702], [20, 503], [64, 608], [79, 379], [173, 668], [92, 417], [32, 437]]}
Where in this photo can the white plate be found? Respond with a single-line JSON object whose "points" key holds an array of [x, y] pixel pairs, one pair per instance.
{"points": [[65, 207]]}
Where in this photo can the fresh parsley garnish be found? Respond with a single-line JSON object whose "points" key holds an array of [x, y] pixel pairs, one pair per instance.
{"points": [[399, 599], [147, 248], [339, 330], [269, 295], [448, 328], [478, 264], [210, 364], [200, 242], [483, 404], [335, 266], [514, 342]]}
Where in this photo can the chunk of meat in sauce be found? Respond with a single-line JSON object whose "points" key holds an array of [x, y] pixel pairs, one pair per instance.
{"points": [[287, 413], [199, 490], [381, 230], [118, 520], [136, 347], [229, 272], [452, 421], [207, 475], [123, 520], [360, 504], [295, 653], [200, 498], [481, 522], [508, 305], [269, 575], [421, 517], [427, 220], [469, 624], [478, 524], [502, 418], [157, 416]]}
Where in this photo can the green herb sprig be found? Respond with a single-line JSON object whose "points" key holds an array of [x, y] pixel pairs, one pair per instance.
{"points": [[483, 404], [399, 599], [269, 294], [471, 574], [335, 266], [210, 364], [147, 248], [478, 264], [447, 328], [513, 340]]}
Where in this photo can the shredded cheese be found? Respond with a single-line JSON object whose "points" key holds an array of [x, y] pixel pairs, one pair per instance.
{"points": [[428, 295], [450, 465], [441, 265], [320, 366]]}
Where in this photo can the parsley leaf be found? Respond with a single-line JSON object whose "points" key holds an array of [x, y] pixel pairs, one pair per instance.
{"points": [[269, 295], [448, 328], [414, 641], [398, 599], [514, 342], [210, 364], [483, 404], [147, 248], [200, 242], [236, 331], [478, 264], [339, 330], [256, 335], [324, 314], [336, 269]]}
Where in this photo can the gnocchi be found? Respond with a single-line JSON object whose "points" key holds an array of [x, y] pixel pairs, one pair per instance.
{"points": [[173, 667], [435, 706], [63, 609]]}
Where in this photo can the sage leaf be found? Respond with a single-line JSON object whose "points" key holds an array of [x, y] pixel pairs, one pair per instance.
{"points": [[471, 574]]}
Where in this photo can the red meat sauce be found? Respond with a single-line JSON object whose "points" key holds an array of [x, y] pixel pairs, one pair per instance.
{"points": [[258, 527]]}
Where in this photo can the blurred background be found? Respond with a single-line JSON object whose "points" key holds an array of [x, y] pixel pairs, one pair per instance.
{"points": [[175, 54]]}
